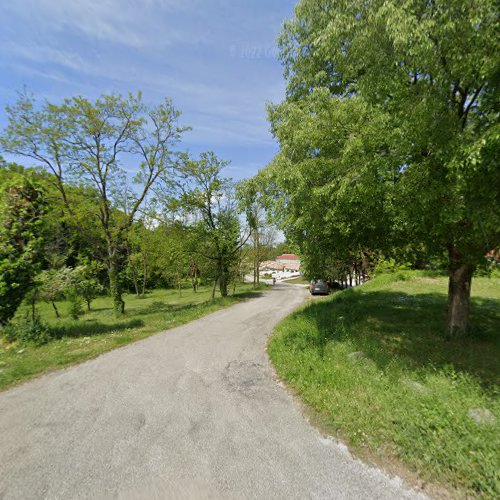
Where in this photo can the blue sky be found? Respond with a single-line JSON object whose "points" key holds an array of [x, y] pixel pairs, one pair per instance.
{"points": [[217, 59]]}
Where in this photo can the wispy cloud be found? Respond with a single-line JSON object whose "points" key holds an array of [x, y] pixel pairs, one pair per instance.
{"points": [[215, 58], [123, 22]]}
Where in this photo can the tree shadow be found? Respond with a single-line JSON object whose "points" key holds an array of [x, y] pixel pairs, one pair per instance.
{"points": [[248, 295], [164, 307], [90, 328], [389, 326], [159, 306]]}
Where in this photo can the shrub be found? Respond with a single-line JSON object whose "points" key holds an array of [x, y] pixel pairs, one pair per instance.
{"points": [[391, 266], [75, 304], [29, 329]]}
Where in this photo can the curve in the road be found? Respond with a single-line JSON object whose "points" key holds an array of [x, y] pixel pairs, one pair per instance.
{"points": [[194, 412]]}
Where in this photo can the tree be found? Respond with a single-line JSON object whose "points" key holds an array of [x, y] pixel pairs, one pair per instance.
{"points": [[262, 234], [390, 134], [21, 210], [88, 142], [86, 284], [54, 284], [210, 200]]}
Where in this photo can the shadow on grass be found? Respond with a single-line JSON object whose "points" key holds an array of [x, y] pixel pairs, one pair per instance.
{"points": [[248, 295], [163, 307], [90, 328], [389, 325], [158, 307]]}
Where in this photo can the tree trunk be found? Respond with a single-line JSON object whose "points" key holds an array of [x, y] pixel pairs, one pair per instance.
{"points": [[88, 304], [55, 309], [136, 282], [254, 272], [115, 288], [144, 278], [459, 286], [223, 285], [194, 280], [214, 288]]}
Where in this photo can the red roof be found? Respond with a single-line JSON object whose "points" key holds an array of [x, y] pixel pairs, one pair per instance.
{"points": [[288, 256]]}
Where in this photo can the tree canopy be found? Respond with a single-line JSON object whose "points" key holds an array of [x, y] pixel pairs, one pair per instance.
{"points": [[389, 133], [90, 142]]}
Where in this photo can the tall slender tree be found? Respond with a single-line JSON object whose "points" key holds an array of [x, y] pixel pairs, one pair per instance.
{"points": [[210, 200], [90, 142]]}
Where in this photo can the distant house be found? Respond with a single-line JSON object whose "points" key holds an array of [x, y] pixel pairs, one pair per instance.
{"points": [[271, 265], [288, 258], [286, 263]]}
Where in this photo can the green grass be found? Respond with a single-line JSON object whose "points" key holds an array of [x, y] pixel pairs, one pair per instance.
{"points": [[99, 331], [406, 398], [298, 280]]}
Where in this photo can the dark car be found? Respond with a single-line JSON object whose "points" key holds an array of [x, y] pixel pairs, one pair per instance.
{"points": [[319, 287]]}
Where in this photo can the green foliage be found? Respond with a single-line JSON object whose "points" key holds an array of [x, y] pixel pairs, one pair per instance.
{"points": [[389, 135], [210, 199], [75, 304], [390, 266], [54, 284], [372, 363], [83, 142], [74, 284], [21, 209], [28, 329], [85, 284]]}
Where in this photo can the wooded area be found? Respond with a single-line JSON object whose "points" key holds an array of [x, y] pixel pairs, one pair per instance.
{"points": [[76, 225], [388, 142]]}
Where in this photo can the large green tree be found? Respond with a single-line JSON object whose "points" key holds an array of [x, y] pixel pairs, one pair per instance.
{"points": [[21, 217], [91, 143], [389, 134]]}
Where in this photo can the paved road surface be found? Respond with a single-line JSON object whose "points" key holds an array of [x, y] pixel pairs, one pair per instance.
{"points": [[191, 413]]}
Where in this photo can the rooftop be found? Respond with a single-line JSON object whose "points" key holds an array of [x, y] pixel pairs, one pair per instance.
{"points": [[288, 256]]}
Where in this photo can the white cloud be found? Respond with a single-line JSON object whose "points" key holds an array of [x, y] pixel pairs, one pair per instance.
{"points": [[135, 24], [176, 48]]}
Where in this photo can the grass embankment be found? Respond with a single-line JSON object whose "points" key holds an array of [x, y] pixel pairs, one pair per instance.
{"points": [[375, 368], [99, 331]]}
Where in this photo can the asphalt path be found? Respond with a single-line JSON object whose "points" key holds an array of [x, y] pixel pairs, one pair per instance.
{"points": [[194, 412]]}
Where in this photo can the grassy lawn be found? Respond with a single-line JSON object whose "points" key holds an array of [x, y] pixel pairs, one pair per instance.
{"points": [[99, 331], [298, 280], [373, 365]]}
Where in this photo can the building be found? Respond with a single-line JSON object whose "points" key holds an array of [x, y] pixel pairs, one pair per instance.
{"points": [[288, 258], [287, 263]]}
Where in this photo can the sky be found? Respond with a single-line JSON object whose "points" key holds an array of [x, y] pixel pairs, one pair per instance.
{"points": [[217, 60]]}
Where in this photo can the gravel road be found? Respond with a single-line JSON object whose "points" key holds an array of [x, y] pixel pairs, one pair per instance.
{"points": [[195, 412]]}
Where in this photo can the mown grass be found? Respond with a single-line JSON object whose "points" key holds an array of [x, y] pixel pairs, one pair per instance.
{"points": [[405, 394], [99, 331], [298, 280]]}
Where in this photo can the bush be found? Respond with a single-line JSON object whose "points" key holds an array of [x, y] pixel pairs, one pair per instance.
{"points": [[75, 304], [9, 331], [391, 266], [30, 329]]}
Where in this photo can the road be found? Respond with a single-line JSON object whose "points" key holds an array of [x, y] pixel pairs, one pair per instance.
{"points": [[195, 412]]}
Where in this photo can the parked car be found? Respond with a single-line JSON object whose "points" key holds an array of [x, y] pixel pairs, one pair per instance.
{"points": [[319, 287]]}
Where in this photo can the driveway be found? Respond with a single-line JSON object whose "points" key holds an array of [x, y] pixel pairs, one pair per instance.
{"points": [[195, 412]]}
